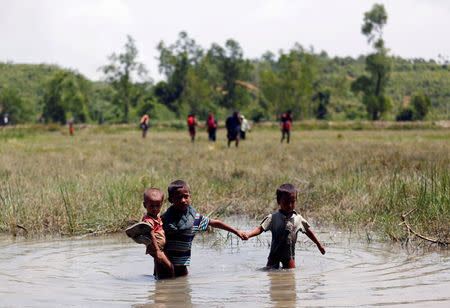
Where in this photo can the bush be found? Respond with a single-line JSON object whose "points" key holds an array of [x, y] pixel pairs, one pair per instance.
{"points": [[405, 114], [421, 105]]}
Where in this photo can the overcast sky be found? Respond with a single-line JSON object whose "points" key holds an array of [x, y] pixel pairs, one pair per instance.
{"points": [[81, 34]]}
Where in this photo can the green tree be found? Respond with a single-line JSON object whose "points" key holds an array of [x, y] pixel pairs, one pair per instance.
{"points": [[270, 88], [233, 70], [378, 65], [421, 104], [176, 61], [120, 73], [13, 105], [290, 84], [65, 96], [198, 94]]}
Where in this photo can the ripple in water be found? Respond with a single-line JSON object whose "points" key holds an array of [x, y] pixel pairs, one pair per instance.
{"points": [[114, 271]]}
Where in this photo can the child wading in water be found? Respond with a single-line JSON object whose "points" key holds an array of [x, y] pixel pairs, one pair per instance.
{"points": [[151, 233], [181, 222], [284, 225]]}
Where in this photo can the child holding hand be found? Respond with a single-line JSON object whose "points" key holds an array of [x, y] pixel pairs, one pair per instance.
{"points": [[284, 225], [181, 222]]}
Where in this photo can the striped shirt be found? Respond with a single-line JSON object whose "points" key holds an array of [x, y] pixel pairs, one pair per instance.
{"points": [[179, 244]]}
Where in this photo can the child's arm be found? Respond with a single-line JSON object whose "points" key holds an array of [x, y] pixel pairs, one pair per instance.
{"points": [[218, 224], [257, 231], [313, 238], [153, 249]]}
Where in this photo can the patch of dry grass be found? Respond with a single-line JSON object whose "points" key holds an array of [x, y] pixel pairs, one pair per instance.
{"points": [[357, 180]]}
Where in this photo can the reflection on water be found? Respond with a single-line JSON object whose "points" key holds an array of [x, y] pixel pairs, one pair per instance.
{"points": [[114, 271], [282, 287], [175, 293]]}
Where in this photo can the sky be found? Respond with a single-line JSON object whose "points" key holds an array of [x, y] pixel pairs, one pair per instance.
{"points": [[79, 35]]}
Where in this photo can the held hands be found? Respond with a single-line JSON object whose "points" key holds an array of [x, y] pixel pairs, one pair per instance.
{"points": [[242, 235]]}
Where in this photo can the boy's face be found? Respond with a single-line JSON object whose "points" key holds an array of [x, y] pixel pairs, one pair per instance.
{"points": [[153, 205], [181, 198], [288, 202]]}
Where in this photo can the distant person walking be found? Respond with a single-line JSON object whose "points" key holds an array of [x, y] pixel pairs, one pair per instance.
{"points": [[211, 126], [286, 123], [233, 124], [5, 119], [144, 124], [71, 126], [191, 122], [245, 127]]}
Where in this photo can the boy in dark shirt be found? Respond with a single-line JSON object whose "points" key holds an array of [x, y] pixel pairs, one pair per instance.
{"points": [[284, 225], [181, 222]]}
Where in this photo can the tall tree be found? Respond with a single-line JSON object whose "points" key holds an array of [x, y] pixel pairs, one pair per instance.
{"points": [[176, 61], [290, 84], [120, 73], [66, 95], [378, 65], [421, 105], [13, 105], [233, 69]]}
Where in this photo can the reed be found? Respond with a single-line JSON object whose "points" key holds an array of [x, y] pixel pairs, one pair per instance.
{"points": [[358, 180]]}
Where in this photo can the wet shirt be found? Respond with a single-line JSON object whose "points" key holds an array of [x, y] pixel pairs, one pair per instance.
{"points": [[179, 244], [284, 233], [158, 231]]}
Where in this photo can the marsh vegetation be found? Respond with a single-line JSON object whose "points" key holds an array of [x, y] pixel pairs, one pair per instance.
{"points": [[358, 180]]}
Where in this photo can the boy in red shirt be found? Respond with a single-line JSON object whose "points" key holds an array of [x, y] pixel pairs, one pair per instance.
{"points": [[191, 122], [286, 122], [211, 126]]}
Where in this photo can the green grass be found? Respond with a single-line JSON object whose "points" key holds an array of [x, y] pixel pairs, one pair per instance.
{"points": [[359, 180]]}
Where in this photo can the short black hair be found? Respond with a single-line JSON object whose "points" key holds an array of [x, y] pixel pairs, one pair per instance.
{"points": [[174, 186], [285, 189]]}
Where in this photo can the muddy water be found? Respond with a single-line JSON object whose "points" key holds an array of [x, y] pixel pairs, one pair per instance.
{"points": [[113, 271]]}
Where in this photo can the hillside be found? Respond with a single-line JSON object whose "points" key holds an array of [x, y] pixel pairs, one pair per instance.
{"points": [[408, 76], [336, 74], [29, 80]]}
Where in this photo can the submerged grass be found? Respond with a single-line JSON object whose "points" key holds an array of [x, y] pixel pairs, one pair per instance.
{"points": [[356, 180]]}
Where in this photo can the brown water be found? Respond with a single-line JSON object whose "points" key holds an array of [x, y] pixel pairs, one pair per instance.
{"points": [[113, 271]]}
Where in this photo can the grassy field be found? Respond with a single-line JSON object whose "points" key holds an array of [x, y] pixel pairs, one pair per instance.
{"points": [[358, 180]]}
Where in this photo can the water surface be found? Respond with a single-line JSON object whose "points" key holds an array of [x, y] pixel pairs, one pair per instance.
{"points": [[225, 272]]}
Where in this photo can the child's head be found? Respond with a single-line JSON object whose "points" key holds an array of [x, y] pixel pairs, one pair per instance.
{"points": [[287, 197], [153, 200], [179, 194]]}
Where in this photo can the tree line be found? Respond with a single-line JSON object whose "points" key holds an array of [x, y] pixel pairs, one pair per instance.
{"points": [[220, 79]]}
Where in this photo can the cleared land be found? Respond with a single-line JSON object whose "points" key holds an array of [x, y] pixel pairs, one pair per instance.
{"points": [[359, 180]]}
